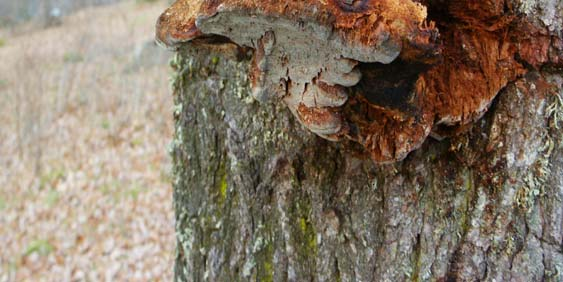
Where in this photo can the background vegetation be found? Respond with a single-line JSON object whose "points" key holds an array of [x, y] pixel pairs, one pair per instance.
{"points": [[85, 119]]}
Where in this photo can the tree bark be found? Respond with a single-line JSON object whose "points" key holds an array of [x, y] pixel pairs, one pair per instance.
{"points": [[259, 198]]}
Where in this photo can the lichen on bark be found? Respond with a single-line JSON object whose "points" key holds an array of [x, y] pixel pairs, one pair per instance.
{"points": [[296, 207]]}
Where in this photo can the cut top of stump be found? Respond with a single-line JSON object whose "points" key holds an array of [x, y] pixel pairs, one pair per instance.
{"points": [[306, 52], [304, 42]]}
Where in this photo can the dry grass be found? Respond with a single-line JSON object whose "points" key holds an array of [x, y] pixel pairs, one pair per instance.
{"points": [[84, 188]]}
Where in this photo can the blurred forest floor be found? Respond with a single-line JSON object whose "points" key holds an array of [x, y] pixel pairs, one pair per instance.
{"points": [[85, 120]]}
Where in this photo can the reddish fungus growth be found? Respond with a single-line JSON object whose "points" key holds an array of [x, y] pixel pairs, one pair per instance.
{"points": [[374, 72]]}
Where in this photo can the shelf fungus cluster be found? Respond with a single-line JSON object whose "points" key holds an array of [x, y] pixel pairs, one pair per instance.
{"points": [[376, 72]]}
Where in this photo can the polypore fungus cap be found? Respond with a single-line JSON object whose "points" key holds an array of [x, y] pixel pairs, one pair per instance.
{"points": [[306, 52]]}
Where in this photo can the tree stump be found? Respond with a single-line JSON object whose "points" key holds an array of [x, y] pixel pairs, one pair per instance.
{"points": [[259, 197]]}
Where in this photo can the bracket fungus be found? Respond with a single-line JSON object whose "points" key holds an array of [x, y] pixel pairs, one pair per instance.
{"points": [[374, 72]]}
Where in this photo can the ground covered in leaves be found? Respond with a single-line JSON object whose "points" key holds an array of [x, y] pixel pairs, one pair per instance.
{"points": [[85, 120]]}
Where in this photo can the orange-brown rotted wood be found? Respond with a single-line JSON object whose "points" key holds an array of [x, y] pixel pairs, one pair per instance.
{"points": [[379, 73]]}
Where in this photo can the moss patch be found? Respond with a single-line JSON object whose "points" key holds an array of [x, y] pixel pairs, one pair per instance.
{"points": [[41, 247]]}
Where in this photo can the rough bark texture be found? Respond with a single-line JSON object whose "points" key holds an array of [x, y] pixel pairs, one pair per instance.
{"points": [[259, 198]]}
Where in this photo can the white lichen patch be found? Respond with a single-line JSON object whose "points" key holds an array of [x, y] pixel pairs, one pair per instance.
{"points": [[548, 11]]}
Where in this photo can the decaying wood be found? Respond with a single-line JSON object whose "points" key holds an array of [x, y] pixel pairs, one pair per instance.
{"points": [[259, 197], [311, 54]]}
